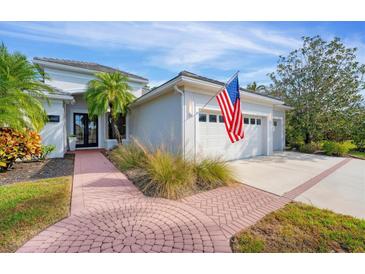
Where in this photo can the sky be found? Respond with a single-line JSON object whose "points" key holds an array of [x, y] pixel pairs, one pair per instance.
{"points": [[160, 50]]}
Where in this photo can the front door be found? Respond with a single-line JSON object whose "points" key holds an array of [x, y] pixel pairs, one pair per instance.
{"points": [[86, 130]]}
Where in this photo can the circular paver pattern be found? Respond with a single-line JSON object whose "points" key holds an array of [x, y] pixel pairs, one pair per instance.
{"points": [[151, 225]]}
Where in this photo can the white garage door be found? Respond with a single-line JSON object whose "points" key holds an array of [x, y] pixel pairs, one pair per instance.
{"points": [[213, 141]]}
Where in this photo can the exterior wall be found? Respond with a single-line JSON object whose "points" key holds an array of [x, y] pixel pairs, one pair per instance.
{"points": [[74, 82], [80, 107], [54, 132], [157, 122], [194, 101]]}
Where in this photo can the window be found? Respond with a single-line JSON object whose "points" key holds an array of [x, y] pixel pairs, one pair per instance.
{"points": [[221, 119], [202, 117], [212, 118], [258, 122], [252, 121], [245, 120], [275, 123]]}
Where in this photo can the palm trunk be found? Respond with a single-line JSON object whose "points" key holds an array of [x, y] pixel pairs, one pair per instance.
{"points": [[115, 130]]}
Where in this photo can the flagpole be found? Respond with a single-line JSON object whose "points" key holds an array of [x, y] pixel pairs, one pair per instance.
{"points": [[225, 85]]}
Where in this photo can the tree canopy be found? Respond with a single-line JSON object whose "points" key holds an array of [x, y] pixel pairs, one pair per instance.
{"points": [[109, 92], [322, 82], [21, 92]]}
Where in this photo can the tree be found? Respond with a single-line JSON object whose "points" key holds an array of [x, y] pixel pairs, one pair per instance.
{"points": [[21, 92], [322, 81], [109, 92], [255, 88]]}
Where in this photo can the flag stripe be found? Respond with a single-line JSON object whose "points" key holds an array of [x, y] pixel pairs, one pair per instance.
{"points": [[230, 104]]}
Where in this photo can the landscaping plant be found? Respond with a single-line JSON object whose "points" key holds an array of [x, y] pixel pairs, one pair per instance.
{"points": [[338, 148], [15, 145], [46, 150], [310, 148], [170, 176], [109, 92], [212, 173], [164, 174], [22, 92]]}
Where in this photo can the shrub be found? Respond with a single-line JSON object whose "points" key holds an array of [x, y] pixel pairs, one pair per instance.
{"points": [[309, 148], [170, 176], [338, 149], [18, 145], [128, 156], [46, 150], [212, 173]]}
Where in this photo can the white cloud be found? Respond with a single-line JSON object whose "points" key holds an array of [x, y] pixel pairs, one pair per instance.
{"points": [[170, 45]]}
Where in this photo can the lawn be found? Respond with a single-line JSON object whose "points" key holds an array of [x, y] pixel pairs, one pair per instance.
{"points": [[302, 228], [29, 207], [359, 154]]}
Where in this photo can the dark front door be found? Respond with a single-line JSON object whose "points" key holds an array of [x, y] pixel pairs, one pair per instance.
{"points": [[86, 130]]}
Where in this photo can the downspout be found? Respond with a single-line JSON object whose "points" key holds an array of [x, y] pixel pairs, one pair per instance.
{"points": [[182, 93]]}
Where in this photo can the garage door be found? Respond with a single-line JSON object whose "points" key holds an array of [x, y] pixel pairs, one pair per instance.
{"points": [[213, 141]]}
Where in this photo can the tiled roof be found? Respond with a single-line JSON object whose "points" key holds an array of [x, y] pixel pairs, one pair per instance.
{"points": [[87, 65]]}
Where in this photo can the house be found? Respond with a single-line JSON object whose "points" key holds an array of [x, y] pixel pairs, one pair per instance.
{"points": [[180, 115], [67, 109]]}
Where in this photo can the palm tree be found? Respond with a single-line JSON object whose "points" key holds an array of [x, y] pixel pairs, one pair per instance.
{"points": [[256, 88], [21, 92], [109, 92]]}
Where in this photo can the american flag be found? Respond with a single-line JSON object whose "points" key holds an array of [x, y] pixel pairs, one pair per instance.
{"points": [[230, 104]]}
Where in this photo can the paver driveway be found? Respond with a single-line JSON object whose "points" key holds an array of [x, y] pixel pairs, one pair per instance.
{"points": [[109, 214]]}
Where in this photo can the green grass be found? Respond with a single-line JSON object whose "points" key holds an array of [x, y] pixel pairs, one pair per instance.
{"points": [[29, 207], [360, 154], [302, 228], [163, 174]]}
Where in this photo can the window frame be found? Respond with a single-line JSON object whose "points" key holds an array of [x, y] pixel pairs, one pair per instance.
{"points": [[212, 115], [219, 118], [246, 119], [202, 114], [254, 121]]}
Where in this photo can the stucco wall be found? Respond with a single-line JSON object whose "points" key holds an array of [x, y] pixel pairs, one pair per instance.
{"points": [[74, 82], [54, 133], [157, 122]]}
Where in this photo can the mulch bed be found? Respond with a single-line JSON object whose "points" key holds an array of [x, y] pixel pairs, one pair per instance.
{"points": [[30, 171]]}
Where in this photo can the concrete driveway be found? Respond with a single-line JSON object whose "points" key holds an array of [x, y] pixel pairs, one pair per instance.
{"points": [[327, 182]]}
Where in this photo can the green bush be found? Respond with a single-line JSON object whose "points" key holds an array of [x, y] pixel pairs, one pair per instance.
{"points": [[128, 156], [170, 176], [46, 150], [212, 173], [309, 148], [338, 149]]}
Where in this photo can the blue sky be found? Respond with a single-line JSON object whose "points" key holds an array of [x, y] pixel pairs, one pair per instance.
{"points": [[159, 50]]}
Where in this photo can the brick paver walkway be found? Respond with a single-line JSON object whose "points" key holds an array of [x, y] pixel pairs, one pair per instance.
{"points": [[109, 214]]}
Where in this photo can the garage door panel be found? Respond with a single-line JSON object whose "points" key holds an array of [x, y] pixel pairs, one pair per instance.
{"points": [[213, 141]]}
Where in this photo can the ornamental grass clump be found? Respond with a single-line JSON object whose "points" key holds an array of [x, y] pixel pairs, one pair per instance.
{"points": [[213, 173], [170, 176], [128, 157]]}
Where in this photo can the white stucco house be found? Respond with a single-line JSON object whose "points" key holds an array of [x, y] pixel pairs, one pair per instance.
{"points": [[170, 116]]}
